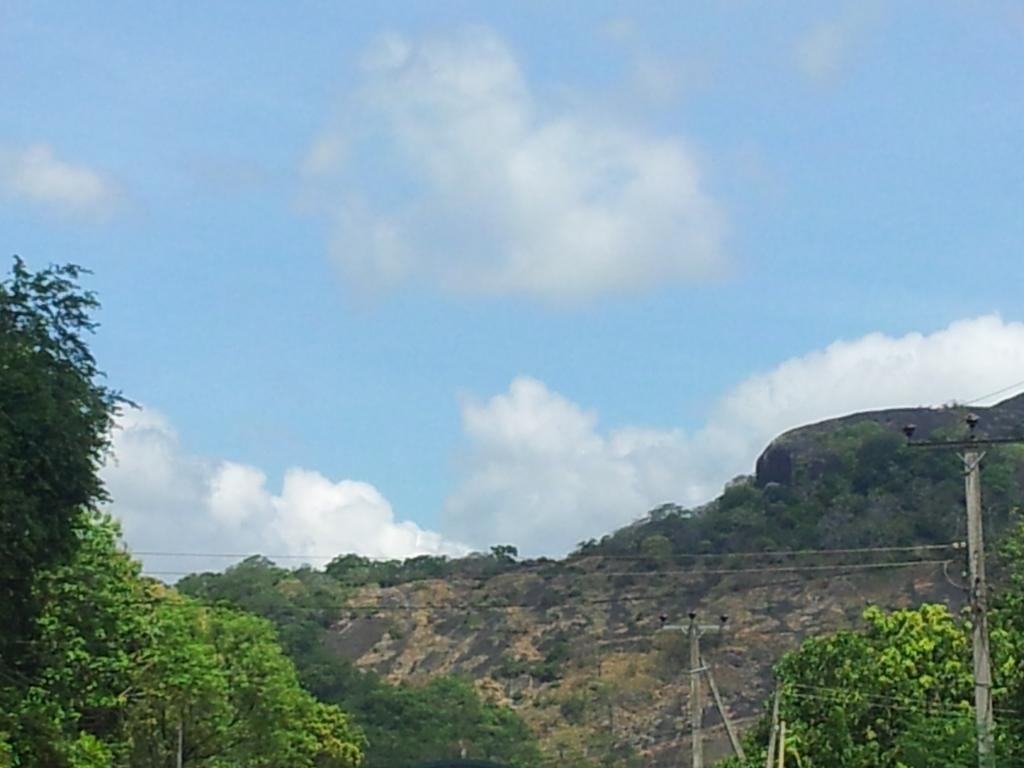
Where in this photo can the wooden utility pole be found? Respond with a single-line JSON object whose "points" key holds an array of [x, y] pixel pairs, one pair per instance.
{"points": [[782, 744], [972, 457], [181, 743]]}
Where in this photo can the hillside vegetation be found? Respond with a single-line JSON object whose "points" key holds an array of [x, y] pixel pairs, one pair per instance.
{"points": [[899, 693], [444, 718], [857, 486]]}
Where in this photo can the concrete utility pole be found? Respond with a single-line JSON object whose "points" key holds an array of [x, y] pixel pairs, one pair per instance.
{"points": [[698, 665], [734, 739], [972, 457], [696, 705], [983, 714]]}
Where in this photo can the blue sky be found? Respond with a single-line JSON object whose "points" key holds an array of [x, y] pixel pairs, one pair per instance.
{"points": [[398, 277]]}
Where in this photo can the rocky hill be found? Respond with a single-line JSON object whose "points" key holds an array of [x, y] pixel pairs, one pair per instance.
{"points": [[576, 646], [777, 463], [580, 655]]}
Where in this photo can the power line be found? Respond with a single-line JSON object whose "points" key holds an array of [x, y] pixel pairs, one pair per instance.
{"points": [[908, 703], [848, 697], [774, 552], [239, 555], [571, 602], [993, 394], [769, 569], [910, 700], [379, 607], [695, 572], [151, 599], [571, 559]]}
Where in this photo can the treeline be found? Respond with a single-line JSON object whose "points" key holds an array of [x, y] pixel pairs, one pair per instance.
{"points": [[357, 571], [122, 671], [899, 693]]}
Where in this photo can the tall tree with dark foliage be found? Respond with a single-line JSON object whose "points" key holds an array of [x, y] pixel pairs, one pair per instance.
{"points": [[55, 420]]}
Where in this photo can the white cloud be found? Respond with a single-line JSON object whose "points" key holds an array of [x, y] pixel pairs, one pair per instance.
{"points": [[540, 473], [541, 476], [171, 501], [35, 174], [483, 189], [962, 361], [348, 516], [237, 492]]}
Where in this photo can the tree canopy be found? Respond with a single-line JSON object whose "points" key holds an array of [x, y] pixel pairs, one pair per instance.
{"points": [[864, 488], [127, 667], [899, 693], [404, 724], [55, 420]]}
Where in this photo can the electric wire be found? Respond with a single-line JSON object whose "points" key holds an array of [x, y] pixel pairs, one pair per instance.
{"points": [[569, 601], [768, 569], [151, 599], [331, 614], [699, 572], [997, 392], [847, 696], [572, 559]]}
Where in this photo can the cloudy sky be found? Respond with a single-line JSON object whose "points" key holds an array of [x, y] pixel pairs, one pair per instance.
{"points": [[398, 278]]}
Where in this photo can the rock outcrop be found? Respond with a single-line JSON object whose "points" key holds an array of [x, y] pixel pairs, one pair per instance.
{"points": [[777, 463]]}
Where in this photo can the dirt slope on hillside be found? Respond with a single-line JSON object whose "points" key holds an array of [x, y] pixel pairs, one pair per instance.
{"points": [[577, 648]]}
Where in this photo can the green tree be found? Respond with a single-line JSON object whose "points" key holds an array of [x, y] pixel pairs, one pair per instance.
{"points": [[220, 676], [657, 548], [899, 693], [87, 642], [1007, 636], [55, 421], [895, 695], [404, 724], [857, 485], [445, 719], [124, 662], [505, 553], [871, 686]]}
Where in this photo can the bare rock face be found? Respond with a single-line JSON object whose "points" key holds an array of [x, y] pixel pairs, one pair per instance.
{"points": [[774, 465], [622, 686]]}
